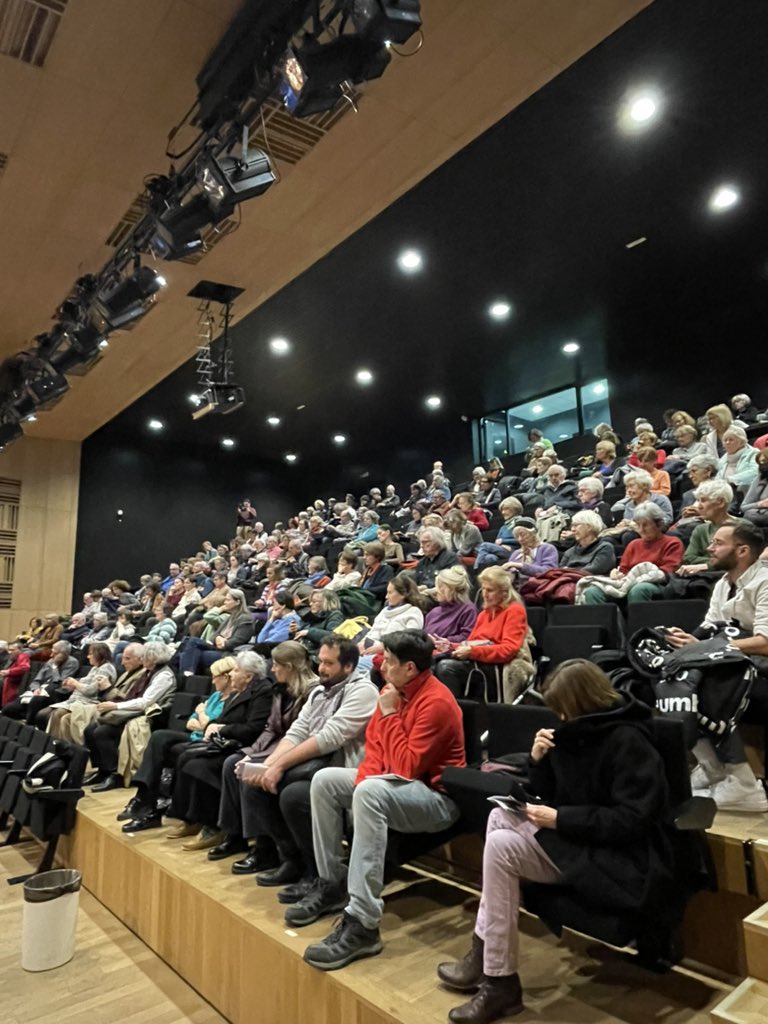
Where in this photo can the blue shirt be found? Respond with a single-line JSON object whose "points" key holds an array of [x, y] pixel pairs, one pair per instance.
{"points": [[213, 707], [274, 631]]}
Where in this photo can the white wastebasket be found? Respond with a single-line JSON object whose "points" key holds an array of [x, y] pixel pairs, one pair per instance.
{"points": [[50, 919]]}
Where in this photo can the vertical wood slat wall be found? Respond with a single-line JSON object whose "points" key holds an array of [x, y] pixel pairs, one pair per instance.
{"points": [[45, 476]]}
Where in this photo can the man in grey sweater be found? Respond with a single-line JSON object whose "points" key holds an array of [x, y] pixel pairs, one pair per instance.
{"points": [[274, 801]]}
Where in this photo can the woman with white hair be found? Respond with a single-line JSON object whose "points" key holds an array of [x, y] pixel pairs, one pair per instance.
{"points": [[688, 445], [737, 466], [590, 554], [436, 557], [713, 499], [589, 492], [744, 410], [453, 617], [534, 556], [637, 488], [653, 546]]}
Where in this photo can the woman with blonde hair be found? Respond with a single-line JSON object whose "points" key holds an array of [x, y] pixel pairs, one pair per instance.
{"points": [[452, 619], [720, 419], [498, 635], [602, 827]]}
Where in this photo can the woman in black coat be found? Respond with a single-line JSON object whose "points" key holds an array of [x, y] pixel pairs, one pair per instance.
{"points": [[603, 828]]}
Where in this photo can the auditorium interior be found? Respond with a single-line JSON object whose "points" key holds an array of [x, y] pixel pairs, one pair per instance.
{"points": [[433, 293]]}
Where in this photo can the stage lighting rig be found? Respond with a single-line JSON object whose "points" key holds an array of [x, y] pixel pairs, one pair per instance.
{"points": [[228, 180], [316, 76], [215, 385], [125, 299], [387, 21]]}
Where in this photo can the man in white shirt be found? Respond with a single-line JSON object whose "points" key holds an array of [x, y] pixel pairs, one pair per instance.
{"points": [[740, 598]]}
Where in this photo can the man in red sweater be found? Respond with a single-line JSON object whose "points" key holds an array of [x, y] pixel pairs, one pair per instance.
{"points": [[414, 733], [11, 677]]}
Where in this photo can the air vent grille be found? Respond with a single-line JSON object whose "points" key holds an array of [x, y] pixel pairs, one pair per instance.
{"points": [[28, 27], [3, 162]]}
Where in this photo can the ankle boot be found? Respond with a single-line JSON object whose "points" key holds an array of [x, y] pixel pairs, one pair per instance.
{"points": [[496, 997], [466, 974]]}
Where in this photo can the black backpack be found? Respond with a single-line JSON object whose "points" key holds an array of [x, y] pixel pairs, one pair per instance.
{"points": [[49, 772]]}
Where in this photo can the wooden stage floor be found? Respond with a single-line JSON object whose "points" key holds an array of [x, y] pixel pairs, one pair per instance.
{"points": [[226, 938]]}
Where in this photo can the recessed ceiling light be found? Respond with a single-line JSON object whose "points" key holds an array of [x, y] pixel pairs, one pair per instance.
{"points": [[274, 421], [280, 346], [564, 436], [103, 343], [643, 108], [723, 198], [410, 260], [570, 348], [598, 389], [155, 424], [639, 110], [635, 242], [291, 457], [339, 438], [497, 441], [537, 409], [500, 310], [194, 399], [300, 407], [31, 418], [227, 442], [519, 426], [364, 377], [433, 401]]}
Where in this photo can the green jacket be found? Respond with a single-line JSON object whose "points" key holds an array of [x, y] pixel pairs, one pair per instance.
{"points": [[696, 553]]}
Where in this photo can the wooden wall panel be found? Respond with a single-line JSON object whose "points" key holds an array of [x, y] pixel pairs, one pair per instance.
{"points": [[49, 472]]}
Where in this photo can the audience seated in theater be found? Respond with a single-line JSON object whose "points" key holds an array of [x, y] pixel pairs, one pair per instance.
{"points": [[438, 494], [153, 599], [190, 598], [744, 410], [295, 561], [589, 492], [737, 465], [278, 626], [329, 729], [195, 623], [393, 552], [602, 827], [653, 546], [688, 445], [646, 439], [368, 525], [713, 499], [533, 556], [391, 502], [590, 553], [323, 616], [608, 464], [464, 538], [13, 676], [453, 617], [755, 504], [123, 630], [346, 574], [740, 596], [415, 733], [436, 557], [39, 647], [100, 678], [557, 492], [489, 495], [492, 553], [90, 604], [700, 468], [637, 489], [235, 630], [475, 665], [294, 681], [45, 688], [647, 461], [719, 419], [404, 609], [465, 502], [376, 574], [197, 778], [275, 583], [317, 572]]}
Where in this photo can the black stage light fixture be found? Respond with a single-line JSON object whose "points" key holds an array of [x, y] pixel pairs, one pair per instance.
{"points": [[387, 21], [121, 303], [177, 229], [317, 76], [220, 398], [228, 180], [47, 385]]}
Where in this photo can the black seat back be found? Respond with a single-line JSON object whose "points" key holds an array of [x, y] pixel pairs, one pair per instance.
{"points": [[474, 719], [686, 614], [606, 616], [537, 620], [512, 727], [560, 643]]}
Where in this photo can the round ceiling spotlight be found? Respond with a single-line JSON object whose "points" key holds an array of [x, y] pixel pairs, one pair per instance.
{"points": [[280, 346], [500, 310], [227, 442], [364, 377], [640, 109], [570, 348], [194, 400], [339, 439], [274, 421], [723, 198], [537, 409], [410, 261], [598, 389], [433, 401], [291, 457], [155, 425]]}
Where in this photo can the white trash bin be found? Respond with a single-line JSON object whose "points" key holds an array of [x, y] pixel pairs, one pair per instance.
{"points": [[48, 929]]}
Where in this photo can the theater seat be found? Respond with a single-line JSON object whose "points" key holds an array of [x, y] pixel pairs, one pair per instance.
{"points": [[686, 614]]}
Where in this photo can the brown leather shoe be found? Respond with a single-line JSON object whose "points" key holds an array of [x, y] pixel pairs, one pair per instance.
{"points": [[496, 997], [203, 841], [466, 974], [183, 831]]}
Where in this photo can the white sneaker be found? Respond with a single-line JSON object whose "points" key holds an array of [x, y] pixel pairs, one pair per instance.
{"points": [[732, 795], [702, 780]]}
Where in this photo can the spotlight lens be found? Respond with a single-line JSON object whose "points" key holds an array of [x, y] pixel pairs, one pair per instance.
{"points": [[274, 421], [643, 108], [103, 343], [194, 399], [291, 457], [31, 418], [500, 310], [161, 280], [571, 347], [364, 377], [339, 438], [155, 424], [228, 442], [280, 346], [537, 409], [723, 198], [433, 401], [410, 260]]}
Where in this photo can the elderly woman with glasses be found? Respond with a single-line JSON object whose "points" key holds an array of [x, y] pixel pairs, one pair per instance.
{"points": [[737, 464]]}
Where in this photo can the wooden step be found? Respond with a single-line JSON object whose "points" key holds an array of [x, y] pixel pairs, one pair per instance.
{"points": [[747, 1004], [756, 943]]}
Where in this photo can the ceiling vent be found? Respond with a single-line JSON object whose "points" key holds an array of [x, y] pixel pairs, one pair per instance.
{"points": [[27, 28], [3, 163], [290, 138]]}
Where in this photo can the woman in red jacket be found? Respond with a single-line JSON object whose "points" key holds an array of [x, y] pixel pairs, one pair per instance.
{"points": [[475, 666]]}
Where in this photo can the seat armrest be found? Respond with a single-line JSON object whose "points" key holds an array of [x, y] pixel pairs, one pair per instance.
{"points": [[698, 813]]}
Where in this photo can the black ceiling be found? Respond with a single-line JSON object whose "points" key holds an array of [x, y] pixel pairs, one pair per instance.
{"points": [[538, 211]]}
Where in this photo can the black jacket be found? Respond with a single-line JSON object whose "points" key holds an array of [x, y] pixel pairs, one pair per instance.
{"points": [[242, 633], [245, 714], [378, 580], [563, 497], [613, 840], [428, 568], [597, 558]]}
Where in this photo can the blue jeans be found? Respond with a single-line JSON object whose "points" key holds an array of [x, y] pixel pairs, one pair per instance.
{"points": [[197, 653], [491, 554]]}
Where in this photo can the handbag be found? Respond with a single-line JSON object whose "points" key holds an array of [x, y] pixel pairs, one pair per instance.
{"points": [[351, 629]]}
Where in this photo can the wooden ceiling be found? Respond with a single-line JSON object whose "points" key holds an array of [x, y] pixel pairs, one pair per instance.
{"points": [[81, 133]]}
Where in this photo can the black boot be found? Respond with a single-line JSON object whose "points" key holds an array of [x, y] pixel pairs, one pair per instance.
{"points": [[496, 997], [466, 974]]}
